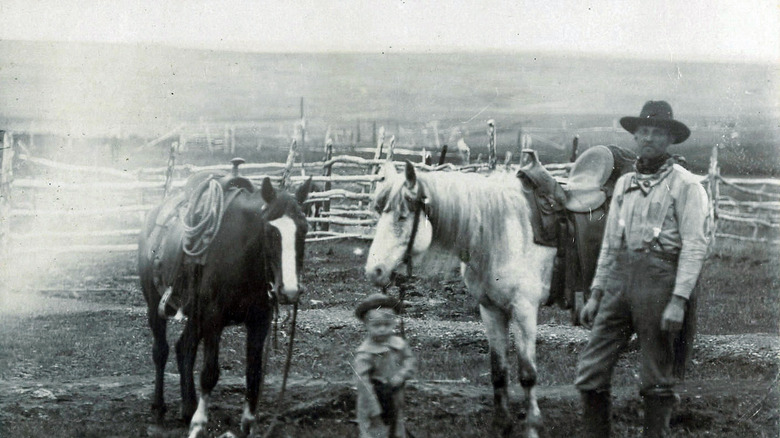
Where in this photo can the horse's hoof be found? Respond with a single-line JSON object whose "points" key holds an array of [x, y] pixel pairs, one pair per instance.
{"points": [[158, 413], [247, 426], [197, 431], [155, 431], [502, 426]]}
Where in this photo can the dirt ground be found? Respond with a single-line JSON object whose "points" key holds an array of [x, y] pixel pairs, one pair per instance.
{"points": [[75, 361]]}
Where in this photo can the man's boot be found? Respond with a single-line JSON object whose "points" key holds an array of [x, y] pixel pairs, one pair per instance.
{"points": [[596, 412], [658, 412]]}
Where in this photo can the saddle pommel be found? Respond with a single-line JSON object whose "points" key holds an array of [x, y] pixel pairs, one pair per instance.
{"points": [[234, 180], [237, 162]]}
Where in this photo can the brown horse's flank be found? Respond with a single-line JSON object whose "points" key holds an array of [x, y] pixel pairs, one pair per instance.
{"points": [[231, 287]]}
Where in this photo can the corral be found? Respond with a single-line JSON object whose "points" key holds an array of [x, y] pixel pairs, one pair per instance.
{"points": [[76, 349]]}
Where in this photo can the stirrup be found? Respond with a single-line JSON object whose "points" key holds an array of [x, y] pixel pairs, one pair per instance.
{"points": [[161, 308]]}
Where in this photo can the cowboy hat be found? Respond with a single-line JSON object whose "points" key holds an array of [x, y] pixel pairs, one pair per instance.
{"points": [[376, 301], [657, 113], [586, 178]]}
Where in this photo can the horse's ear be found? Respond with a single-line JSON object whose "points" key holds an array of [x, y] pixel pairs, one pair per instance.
{"points": [[388, 170], [411, 175], [267, 191], [303, 191]]}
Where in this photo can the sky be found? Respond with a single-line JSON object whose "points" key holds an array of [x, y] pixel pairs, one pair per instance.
{"points": [[717, 30]]}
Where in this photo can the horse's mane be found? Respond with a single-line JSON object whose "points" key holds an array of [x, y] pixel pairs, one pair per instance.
{"points": [[467, 210]]}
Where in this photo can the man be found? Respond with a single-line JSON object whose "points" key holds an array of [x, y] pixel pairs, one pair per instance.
{"points": [[654, 246]]}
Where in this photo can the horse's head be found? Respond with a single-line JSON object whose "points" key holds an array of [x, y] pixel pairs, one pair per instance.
{"points": [[288, 226], [403, 229]]}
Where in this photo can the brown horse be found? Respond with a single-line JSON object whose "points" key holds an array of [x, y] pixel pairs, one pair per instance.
{"points": [[253, 258]]}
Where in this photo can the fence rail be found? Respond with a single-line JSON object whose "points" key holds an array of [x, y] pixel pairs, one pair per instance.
{"points": [[344, 184]]}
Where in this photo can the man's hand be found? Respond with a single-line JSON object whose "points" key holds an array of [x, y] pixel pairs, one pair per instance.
{"points": [[674, 314], [588, 313], [376, 421], [396, 381]]}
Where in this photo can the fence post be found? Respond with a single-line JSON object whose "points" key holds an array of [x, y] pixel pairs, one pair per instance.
{"points": [[169, 170], [302, 149], [443, 154], [390, 149], [374, 138], [436, 141], [520, 142], [6, 178], [289, 164], [713, 176], [380, 144], [574, 145], [232, 140], [491, 131], [327, 172]]}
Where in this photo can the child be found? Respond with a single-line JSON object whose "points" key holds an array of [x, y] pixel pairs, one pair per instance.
{"points": [[383, 363]]}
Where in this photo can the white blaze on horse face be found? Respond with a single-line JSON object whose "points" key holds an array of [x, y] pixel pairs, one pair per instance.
{"points": [[287, 228]]}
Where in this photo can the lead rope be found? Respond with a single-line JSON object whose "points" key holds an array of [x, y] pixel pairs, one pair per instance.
{"points": [[402, 285], [285, 374]]}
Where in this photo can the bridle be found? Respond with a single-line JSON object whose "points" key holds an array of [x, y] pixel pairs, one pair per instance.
{"points": [[419, 205]]}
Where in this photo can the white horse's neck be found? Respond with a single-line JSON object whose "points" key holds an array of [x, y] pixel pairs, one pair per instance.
{"points": [[470, 212]]}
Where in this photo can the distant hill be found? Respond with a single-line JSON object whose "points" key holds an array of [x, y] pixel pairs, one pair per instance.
{"points": [[150, 86], [103, 89]]}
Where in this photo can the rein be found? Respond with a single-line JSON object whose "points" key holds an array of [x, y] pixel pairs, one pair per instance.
{"points": [[285, 374], [418, 205]]}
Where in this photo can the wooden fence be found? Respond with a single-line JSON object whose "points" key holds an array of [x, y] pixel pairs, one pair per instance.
{"points": [[61, 207]]}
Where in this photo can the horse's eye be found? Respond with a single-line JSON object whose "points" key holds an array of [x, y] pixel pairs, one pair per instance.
{"points": [[401, 217]]}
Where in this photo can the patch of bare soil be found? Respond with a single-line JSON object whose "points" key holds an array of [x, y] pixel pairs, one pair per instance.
{"points": [[75, 361]]}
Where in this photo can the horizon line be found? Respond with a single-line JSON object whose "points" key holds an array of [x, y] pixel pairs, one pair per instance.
{"points": [[415, 50]]}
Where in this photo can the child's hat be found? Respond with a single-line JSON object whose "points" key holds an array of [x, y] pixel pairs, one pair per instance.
{"points": [[376, 301]]}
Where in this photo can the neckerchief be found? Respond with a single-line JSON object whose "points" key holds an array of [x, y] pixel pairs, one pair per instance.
{"points": [[645, 182], [649, 166]]}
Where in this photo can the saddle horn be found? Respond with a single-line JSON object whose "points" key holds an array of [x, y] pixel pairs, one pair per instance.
{"points": [[237, 162]]}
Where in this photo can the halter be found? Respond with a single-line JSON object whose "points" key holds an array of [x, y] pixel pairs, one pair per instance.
{"points": [[418, 205]]}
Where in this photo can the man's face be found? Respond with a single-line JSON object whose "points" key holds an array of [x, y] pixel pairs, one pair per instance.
{"points": [[652, 141]]}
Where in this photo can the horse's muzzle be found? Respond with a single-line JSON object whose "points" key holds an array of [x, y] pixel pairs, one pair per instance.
{"points": [[379, 275]]}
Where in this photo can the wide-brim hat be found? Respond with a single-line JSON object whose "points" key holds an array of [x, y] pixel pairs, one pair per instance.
{"points": [[586, 178], [657, 113], [374, 302]]}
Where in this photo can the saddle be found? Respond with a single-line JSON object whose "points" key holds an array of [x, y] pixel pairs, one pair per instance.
{"points": [[171, 244], [572, 217]]}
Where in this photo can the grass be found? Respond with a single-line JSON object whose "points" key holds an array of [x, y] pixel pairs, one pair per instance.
{"points": [[740, 289]]}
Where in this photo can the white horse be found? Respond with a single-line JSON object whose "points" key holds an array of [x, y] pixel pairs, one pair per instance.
{"points": [[485, 221]]}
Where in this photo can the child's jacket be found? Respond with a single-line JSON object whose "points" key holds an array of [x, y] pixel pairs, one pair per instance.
{"points": [[377, 364]]}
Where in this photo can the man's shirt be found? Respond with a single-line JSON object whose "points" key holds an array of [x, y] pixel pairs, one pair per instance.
{"points": [[667, 212]]}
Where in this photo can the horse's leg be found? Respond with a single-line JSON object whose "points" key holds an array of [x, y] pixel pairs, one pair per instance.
{"points": [[208, 380], [256, 333], [497, 326], [524, 314], [160, 357], [186, 351]]}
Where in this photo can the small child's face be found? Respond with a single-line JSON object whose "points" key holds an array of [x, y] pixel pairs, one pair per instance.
{"points": [[380, 324]]}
